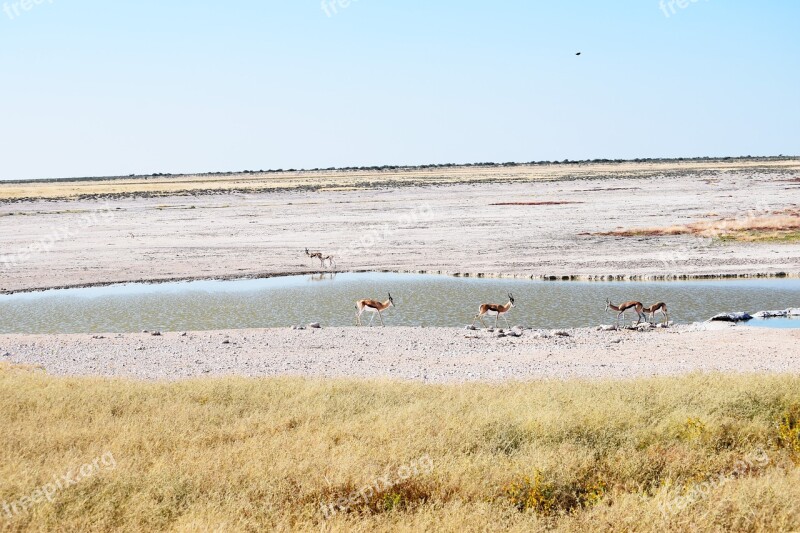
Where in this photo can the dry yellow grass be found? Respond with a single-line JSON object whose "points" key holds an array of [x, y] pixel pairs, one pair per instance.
{"points": [[692, 453], [183, 184], [773, 227]]}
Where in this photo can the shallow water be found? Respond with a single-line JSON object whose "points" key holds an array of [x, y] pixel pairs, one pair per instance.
{"points": [[428, 300], [779, 322]]}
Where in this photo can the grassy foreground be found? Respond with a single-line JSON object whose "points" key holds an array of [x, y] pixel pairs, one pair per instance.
{"points": [[693, 453]]}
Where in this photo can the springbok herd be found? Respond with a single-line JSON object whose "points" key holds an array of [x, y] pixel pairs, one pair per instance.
{"points": [[496, 310]]}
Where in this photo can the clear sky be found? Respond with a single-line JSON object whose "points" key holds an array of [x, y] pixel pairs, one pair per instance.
{"points": [[93, 88]]}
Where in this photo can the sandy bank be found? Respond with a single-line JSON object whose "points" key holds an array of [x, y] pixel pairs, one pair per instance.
{"points": [[533, 227]]}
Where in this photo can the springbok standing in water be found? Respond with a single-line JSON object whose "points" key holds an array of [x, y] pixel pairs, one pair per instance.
{"points": [[374, 306], [621, 308], [494, 309], [655, 308]]}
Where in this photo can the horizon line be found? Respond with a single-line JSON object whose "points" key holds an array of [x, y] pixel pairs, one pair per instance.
{"points": [[408, 167]]}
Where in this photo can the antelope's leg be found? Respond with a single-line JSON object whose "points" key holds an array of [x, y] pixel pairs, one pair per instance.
{"points": [[380, 316], [504, 318], [480, 317]]}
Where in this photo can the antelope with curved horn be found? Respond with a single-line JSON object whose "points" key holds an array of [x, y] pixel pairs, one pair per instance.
{"points": [[494, 309], [655, 308], [621, 308], [316, 255], [375, 307]]}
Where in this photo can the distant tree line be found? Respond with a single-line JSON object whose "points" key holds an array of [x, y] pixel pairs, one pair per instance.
{"points": [[429, 166]]}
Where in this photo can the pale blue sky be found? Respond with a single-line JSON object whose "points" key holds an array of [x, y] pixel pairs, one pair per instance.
{"points": [[93, 87]]}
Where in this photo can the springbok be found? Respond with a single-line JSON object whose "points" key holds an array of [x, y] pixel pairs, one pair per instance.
{"points": [[331, 262], [494, 309], [316, 255], [655, 308], [621, 308], [374, 306]]}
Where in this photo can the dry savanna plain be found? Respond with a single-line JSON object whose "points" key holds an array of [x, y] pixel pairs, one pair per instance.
{"points": [[693, 427]]}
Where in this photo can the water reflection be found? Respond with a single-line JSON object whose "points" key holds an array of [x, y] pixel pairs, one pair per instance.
{"points": [[329, 298]]}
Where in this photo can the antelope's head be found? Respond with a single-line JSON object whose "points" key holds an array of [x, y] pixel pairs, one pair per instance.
{"points": [[511, 299], [391, 300]]}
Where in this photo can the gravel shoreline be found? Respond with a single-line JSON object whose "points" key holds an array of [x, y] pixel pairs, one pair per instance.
{"points": [[431, 355]]}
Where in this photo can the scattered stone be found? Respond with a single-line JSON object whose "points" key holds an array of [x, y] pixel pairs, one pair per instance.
{"points": [[662, 326], [6, 354], [561, 333], [793, 312], [145, 331], [606, 327], [184, 334], [731, 317], [226, 341], [315, 325], [98, 337], [771, 314], [156, 334], [500, 335], [519, 327], [514, 333], [470, 328], [616, 341], [298, 327]]}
